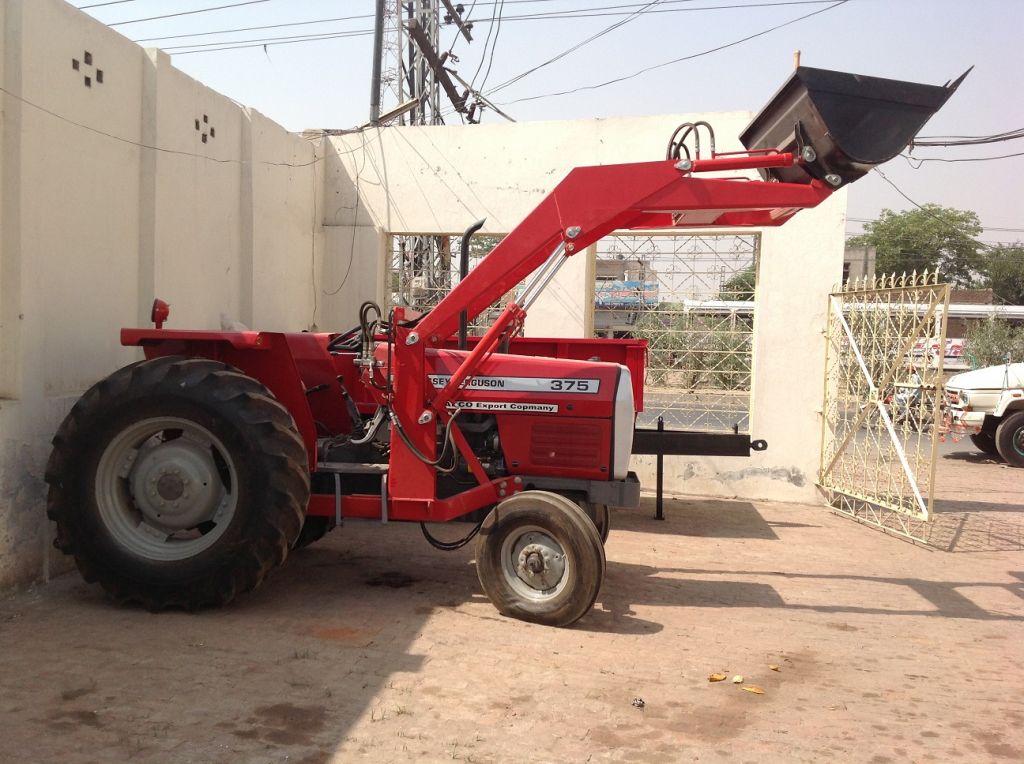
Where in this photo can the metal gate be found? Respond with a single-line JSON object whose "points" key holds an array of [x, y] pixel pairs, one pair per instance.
{"points": [[691, 296], [883, 396], [423, 269]]}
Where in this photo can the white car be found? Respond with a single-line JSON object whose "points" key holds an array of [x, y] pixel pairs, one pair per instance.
{"points": [[988, 404]]}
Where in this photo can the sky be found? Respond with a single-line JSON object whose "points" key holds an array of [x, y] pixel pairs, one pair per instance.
{"points": [[326, 83]]}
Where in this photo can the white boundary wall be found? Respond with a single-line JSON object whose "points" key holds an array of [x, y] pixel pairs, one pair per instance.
{"points": [[92, 227], [440, 179]]}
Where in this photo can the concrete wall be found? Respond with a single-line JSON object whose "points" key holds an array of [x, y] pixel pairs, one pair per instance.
{"points": [[93, 225], [440, 179]]}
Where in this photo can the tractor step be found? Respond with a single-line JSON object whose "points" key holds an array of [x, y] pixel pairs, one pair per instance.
{"points": [[352, 468]]}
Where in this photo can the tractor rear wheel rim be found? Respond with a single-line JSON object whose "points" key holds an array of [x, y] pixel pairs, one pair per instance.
{"points": [[166, 488], [534, 564]]}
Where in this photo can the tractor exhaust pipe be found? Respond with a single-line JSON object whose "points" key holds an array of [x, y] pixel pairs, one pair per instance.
{"points": [[463, 272]]}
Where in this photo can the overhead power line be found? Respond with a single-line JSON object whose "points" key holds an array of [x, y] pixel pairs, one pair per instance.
{"points": [[161, 149], [928, 212], [100, 5], [269, 43], [984, 227], [187, 13], [634, 15], [680, 59], [254, 29], [260, 42], [921, 160], [595, 11], [968, 140]]}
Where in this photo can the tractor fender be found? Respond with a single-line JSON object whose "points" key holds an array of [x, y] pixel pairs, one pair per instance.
{"points": [[264, 356]]}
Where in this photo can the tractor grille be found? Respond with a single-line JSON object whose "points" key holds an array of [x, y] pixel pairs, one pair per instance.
{"points": [[575, 445]]}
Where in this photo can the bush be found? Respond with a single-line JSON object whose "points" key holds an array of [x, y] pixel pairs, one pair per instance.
{"points": [[993, 342], [696, 352]]}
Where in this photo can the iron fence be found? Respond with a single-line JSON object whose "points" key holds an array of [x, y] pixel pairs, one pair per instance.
{"points": [[692, 298]]}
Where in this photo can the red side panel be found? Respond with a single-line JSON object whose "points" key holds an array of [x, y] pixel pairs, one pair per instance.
{"points": [[561, 446], [630, 353]]}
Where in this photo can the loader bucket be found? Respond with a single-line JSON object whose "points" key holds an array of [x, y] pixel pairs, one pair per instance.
{"points": [[852, 122]]}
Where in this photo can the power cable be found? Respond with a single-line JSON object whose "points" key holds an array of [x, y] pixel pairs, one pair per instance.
{"points": [[187, 13], [494, 45], [929, 213], [550, 16], [100, 5], [268, 44], [921, 160], [967, 140], [270, 40], [984, 227], [682, 58], [487, 42], [607, 30], [147, 146], [255, 29]]}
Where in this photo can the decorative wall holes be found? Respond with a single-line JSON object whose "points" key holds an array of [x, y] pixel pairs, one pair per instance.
{"points": [[205, 129], [88, 78]]}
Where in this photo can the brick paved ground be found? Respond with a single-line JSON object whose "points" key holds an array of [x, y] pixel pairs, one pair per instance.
{"points": [[372, 646]]}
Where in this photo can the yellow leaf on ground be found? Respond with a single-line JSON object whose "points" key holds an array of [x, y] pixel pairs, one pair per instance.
{"points": [[773, 667], [754, 689], [717, 677]]}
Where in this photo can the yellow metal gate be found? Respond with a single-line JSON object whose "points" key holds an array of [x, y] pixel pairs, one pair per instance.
{"points": [[883, 395]]}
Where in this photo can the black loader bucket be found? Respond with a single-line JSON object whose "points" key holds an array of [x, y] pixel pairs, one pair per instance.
{"points": [[843, 124]]}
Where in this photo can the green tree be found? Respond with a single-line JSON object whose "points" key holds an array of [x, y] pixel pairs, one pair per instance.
{"points": [[740, 286], [992, 342], [926, 239], [1003, 272]]}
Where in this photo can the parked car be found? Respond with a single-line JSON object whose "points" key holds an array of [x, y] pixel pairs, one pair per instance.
{"points": [[988, 404]]}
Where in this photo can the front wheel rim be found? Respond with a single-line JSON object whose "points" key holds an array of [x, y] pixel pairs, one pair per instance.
{"points": [[534, 564], [166, 488]]}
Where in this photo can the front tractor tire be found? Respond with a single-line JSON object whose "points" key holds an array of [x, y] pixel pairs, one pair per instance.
{"points": [[177, 483], [540, 558], [1010, 439]]}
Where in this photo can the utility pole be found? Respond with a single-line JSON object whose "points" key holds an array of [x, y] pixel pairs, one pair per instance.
{"points": [[455, 17], [378, 55], [414, 74], [436, 64], [412, 67]]}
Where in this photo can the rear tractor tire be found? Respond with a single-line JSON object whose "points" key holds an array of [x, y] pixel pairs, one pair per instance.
{"points": [[313, 529], [1010, 439], [540, 558], [177, 483]]}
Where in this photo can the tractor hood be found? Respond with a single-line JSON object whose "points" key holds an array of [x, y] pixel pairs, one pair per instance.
{"points": [[989, 378]]}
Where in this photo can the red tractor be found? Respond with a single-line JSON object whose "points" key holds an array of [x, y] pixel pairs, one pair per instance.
{"points": [[183, 479]]}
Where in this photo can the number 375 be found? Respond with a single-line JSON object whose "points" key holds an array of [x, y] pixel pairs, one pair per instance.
{"points": [[570, 385]]}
